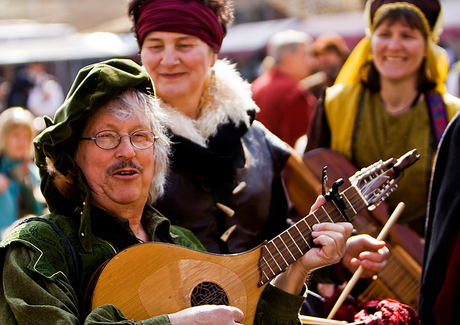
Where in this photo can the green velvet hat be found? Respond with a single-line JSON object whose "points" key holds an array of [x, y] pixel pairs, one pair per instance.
{"points": [[94, 86]]}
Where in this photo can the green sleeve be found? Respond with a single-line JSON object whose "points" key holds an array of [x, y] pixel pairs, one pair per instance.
{"points": [[185, 238], [278, 307], [27, 297]]}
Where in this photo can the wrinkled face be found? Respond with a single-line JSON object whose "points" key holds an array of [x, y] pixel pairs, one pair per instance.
{"points": [[18, 142], [179, 64], [398, 50], [118, 177]]}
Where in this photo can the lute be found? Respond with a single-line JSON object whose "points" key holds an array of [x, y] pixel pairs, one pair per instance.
{"points": [[152, 279]]}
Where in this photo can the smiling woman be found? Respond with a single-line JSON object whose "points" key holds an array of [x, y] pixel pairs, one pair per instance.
{"points": [[225, 181], [390, 97], [179, 66], [398, 50]]}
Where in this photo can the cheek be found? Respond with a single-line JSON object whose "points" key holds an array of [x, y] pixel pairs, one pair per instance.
{"points": [[89, 161], [149, 61], [95, 173], [419, 52], [197, 62], [200, 60], [377, 56], [375, 46], [147, 161]]}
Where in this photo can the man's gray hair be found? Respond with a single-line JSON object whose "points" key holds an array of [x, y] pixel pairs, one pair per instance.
{"points": [[286, 41]]}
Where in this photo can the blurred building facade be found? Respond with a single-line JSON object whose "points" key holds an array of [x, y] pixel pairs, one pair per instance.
{"points": [[68, 34]]}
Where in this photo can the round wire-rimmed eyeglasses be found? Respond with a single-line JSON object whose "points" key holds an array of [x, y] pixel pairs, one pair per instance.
{"points": [[109, 139]]}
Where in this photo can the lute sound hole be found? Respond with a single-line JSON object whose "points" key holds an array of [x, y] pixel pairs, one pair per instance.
{"points": [[208, 293]]}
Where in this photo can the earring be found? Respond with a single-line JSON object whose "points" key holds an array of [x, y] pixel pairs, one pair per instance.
{"points": [[212, 87]]}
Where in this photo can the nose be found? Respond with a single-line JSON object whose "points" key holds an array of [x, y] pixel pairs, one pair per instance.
{"points": [[395, 42], [170, 57], [125, 149]]}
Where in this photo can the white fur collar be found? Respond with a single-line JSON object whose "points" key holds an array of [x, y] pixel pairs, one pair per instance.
{"points": [[229, 101]]}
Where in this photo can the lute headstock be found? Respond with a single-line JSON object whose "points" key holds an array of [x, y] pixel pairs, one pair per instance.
{"points": [[377, 181], [369, 187]]}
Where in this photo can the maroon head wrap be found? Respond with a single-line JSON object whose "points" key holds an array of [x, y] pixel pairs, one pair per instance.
{"points": [[179, 16]]}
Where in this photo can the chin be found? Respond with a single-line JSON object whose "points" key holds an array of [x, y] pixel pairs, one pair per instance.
{"points": [[128, 197]]}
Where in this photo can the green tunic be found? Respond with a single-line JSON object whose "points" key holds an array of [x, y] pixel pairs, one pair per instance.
{"points": [[46, 270], [380, 135]]}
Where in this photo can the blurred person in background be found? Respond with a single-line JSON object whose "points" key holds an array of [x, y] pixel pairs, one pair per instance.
{"points": [[331, 52], [20, 88], [19, 180], [285, 103], [390, 97], [46, 95]]}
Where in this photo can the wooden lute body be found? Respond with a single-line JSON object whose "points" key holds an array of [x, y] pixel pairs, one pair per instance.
{"points": [[152, 279]]}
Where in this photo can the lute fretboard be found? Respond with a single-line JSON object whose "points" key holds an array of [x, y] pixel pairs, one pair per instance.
{"points": [[283, 250]]}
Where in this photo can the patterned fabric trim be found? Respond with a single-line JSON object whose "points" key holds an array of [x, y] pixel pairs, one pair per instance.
{"points": [[438, 114]]}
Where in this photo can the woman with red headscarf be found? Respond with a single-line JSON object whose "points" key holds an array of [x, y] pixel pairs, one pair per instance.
{"points": [[225, 182]]}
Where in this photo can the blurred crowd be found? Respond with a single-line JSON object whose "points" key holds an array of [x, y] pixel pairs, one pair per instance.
{"points": [[32, 94]]}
